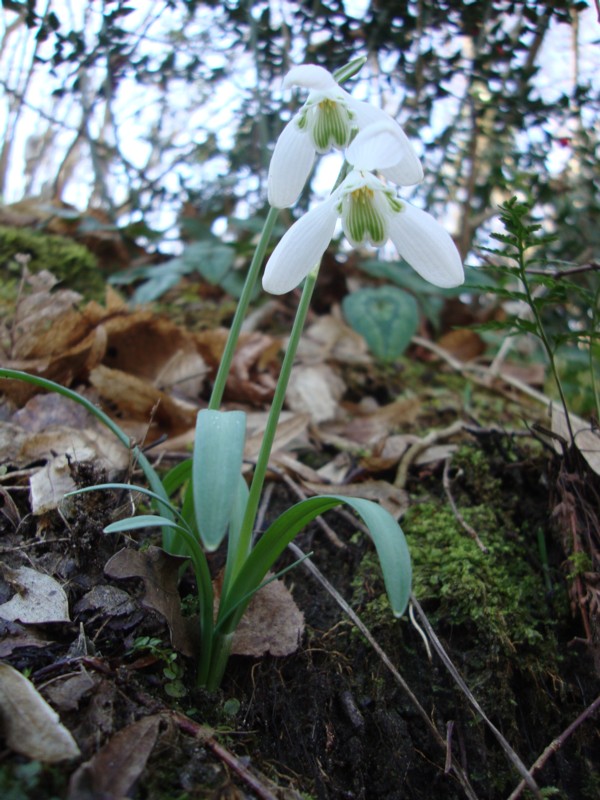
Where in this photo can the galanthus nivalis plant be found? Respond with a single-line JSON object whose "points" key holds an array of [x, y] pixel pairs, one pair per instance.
{"points": [[217, 504], [370, 213]]}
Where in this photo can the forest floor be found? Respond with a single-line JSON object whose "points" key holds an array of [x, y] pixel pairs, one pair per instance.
{"points": [[495, 669]]}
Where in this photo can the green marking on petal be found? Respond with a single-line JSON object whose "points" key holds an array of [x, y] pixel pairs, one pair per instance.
{"points": [[363, 222], [395, 204], [332, 126], [302, 120]]}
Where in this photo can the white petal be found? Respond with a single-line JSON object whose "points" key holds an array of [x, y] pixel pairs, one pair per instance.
{"points": [[290, 166], [427, 246], [300, 249], [406, 173], [367, 114], [309, 76], [384, 146]]}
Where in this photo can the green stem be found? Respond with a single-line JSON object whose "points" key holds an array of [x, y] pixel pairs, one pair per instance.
{"points": [[272, 421], [242, 308], [543, 337], [221, 650], [591, 353]]}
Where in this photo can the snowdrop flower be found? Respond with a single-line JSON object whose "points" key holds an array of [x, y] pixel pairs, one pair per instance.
{"points": [[370, 213], [328, 120]]}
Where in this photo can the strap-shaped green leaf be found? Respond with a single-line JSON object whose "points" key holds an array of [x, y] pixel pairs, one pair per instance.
{"points": [[217, 464], [387, 536]]}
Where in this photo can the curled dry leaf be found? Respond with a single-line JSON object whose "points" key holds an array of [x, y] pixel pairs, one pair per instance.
{"points": [[38, 598], [115, 768], [138, 399], [30, 726], [587, 440], [160, 573], [273, 624], [315, 390], [330, 339]]}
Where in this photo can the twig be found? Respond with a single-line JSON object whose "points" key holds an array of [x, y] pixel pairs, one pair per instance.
{"points": [[557, 743], [459, 517], [481, 375], [449, 732], [205, 735], [561, 273], [459, 680], [456, 769], [418, 447]]}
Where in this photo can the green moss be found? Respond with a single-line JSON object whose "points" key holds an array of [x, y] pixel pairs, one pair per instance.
{"points": [[70, 262]]}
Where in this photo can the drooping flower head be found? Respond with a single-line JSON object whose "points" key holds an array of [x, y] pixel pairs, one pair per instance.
{"points": [[328, 120], [370, 213]]}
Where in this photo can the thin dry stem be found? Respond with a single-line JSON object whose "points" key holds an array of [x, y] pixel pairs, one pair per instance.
{"points": [[459, 680], [440, 740], [556, 744], [459, 517]]}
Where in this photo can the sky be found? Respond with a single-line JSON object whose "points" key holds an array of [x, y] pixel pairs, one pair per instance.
{"points": [[194, 111]]}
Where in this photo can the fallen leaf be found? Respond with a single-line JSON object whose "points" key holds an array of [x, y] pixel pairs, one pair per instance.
{"points": [[30, 726], [67, 691], [463, 343], [272, 623], [160, 573], [115, 768], [49, 485], [107, 600], [330, 338], [137, 398], [38, 598], [587, 439], [291, 428], [14, 636], [315, 390]]}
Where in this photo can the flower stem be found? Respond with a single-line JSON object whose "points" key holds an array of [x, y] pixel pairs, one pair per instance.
{"points": [[242, 308], [272, 421]]}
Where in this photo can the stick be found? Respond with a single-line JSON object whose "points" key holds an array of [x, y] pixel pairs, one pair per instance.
{"points": [[459, 680], [557, 743]]}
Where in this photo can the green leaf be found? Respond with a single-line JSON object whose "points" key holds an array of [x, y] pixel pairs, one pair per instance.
{"points": [[384, 530], [238, 510], [385, 316], [177, 476], [216, 467], [212, 259], [141, 521]]}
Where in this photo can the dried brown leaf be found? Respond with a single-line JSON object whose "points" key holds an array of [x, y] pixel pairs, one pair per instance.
{"points": [[315, 390], [30, 726], [160, 573], [115, 768], [273, 624], [38, 597]]}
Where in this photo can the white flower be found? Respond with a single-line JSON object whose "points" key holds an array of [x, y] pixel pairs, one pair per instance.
{"points": [[326, 121], [370, 213]]}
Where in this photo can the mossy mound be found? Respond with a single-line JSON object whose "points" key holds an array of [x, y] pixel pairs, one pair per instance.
{"points": [[502, 613], [72, 263]]}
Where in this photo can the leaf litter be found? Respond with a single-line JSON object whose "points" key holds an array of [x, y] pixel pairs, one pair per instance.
{"points": [[348, 424]]}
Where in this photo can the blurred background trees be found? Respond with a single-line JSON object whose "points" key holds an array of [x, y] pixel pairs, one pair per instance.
{"points": [[160, 117]]}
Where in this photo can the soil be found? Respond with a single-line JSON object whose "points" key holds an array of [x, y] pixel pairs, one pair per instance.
{"points": [[507, 577], [330, 721]]}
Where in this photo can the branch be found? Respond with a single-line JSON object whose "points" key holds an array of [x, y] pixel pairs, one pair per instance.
{"points": [[459, 680], [557, 743]]}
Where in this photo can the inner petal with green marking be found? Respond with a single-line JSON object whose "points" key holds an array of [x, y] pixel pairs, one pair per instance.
{"points": [[363, 218], [332, 126]]}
